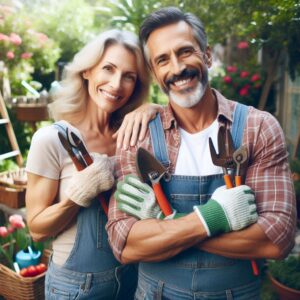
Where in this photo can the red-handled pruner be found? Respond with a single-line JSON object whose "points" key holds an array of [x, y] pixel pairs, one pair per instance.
{"points": [[79, 156]]}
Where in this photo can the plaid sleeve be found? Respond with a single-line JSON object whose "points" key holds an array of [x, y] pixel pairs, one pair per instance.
{"points": [[119, 223], [269, 176]]}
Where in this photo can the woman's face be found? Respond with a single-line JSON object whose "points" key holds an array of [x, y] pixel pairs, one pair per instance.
{"points": [[111, 82]]}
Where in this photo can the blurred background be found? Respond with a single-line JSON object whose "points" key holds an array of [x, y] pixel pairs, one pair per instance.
{"points": [[256, 60]]}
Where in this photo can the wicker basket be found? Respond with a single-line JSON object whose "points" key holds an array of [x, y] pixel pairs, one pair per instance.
{"points": [[16, 287], [13, 188]]}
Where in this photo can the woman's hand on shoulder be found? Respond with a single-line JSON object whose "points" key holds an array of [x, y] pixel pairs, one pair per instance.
{"points": [[135, 125]]}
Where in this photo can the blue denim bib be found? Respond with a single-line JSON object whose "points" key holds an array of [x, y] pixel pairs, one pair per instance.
{"points": [[91, 270], [195, 274]]}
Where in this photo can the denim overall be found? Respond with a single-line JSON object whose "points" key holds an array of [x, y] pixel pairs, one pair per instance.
{"points": [[195, 274], [91, 270]]}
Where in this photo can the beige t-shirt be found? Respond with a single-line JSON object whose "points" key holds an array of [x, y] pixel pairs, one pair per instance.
{"points": [[49, 159]]}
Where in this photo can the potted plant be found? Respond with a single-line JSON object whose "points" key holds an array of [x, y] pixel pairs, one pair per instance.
{"points": [[285, 277]]}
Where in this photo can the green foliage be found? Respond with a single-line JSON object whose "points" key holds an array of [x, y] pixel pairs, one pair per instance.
{"points": [[129, 14], [23, 49], [275, 24], [295, 165], [69, 23], [287, 271]]}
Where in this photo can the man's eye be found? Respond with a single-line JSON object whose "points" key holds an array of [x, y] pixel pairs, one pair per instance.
{"points": [[186, 51], [161, 61]]}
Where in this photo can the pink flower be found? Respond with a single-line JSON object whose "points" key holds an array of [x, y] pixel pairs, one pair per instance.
{"points": [[42, 37], [3, 37], [244, 74], [243, 45], [3, 232], [15, 39], [244, 91], [10, 229], [16, 221], [10, 55], [231, 69], [26, 55], [227, 79], [255, 77]]}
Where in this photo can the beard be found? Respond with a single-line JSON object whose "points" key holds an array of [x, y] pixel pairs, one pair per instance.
{"points": [[191, 96]]}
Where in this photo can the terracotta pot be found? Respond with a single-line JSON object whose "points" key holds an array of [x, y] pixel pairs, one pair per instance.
{"points": [[284, 292]]}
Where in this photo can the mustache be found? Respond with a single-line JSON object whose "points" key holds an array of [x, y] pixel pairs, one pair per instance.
{"points": [[186, 73]]}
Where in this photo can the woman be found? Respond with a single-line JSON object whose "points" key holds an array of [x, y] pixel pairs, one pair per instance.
{"points": [[106, 80]]}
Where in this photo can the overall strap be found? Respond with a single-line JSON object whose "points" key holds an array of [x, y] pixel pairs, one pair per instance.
{"points": [[158, 141], [239, 121]]}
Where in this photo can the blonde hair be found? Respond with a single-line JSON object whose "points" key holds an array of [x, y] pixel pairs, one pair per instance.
{"points": [[69, 101]]}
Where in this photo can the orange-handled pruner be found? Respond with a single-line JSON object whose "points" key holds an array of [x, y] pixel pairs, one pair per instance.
{"points": [[229, 158], [150, 169], [240, 156]]}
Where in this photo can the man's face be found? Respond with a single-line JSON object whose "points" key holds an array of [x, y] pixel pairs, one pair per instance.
{"points": [[178, 63]]}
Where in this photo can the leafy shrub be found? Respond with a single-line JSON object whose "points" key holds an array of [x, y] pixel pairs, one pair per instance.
{"points": [[287, 271]]}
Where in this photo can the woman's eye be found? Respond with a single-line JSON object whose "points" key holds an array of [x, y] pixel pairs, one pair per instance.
{"points": [[107, 68], [130, 77]]}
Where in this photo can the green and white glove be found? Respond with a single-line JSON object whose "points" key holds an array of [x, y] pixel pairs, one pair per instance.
{"points": [[228, 210], [136, 198]]}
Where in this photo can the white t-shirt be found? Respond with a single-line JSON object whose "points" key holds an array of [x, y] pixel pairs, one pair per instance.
{"points": [[194, 157], [49, 159]]}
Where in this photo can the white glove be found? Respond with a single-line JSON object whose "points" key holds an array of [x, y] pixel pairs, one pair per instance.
{"points": [[136, 198], [85, 185], [228, 210]]}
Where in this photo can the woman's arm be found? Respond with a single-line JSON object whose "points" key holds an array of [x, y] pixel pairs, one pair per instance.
{"points": [[46, 218]]}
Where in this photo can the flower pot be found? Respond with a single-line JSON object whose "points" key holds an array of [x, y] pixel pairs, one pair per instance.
{"points": [[284, 292]]}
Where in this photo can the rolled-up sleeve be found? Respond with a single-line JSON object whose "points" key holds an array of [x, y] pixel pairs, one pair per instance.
{"points": [[119, 223], [269, 176]]}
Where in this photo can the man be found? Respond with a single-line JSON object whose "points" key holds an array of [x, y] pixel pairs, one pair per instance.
{"points": [[206, 253]]}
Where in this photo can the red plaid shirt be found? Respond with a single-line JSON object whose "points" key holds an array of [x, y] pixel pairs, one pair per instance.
{"points": [[268, 174]]}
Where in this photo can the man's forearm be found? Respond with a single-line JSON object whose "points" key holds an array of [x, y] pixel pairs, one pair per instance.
{"points": [[249, 243], [156, 240]]}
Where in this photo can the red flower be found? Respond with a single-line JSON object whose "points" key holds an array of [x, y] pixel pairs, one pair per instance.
{"points": [[244, 74], [227, 79], [26, 55], [244, 91], [231, 69], [243, 45], [255, 77], [10, 55]]}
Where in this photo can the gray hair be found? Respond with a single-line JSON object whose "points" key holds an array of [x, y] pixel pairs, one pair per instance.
{"points": [[71, 98], [166, 16]]}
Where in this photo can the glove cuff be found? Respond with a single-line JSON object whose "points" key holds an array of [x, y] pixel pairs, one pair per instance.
{"points": [[213, 215]]}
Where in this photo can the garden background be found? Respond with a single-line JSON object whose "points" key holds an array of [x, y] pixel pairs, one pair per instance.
{"points": [[256, 54]]}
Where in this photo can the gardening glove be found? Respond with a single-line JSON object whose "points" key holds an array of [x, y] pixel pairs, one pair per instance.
{"points": [[85, 185], [136, 198], [228, 210]]}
